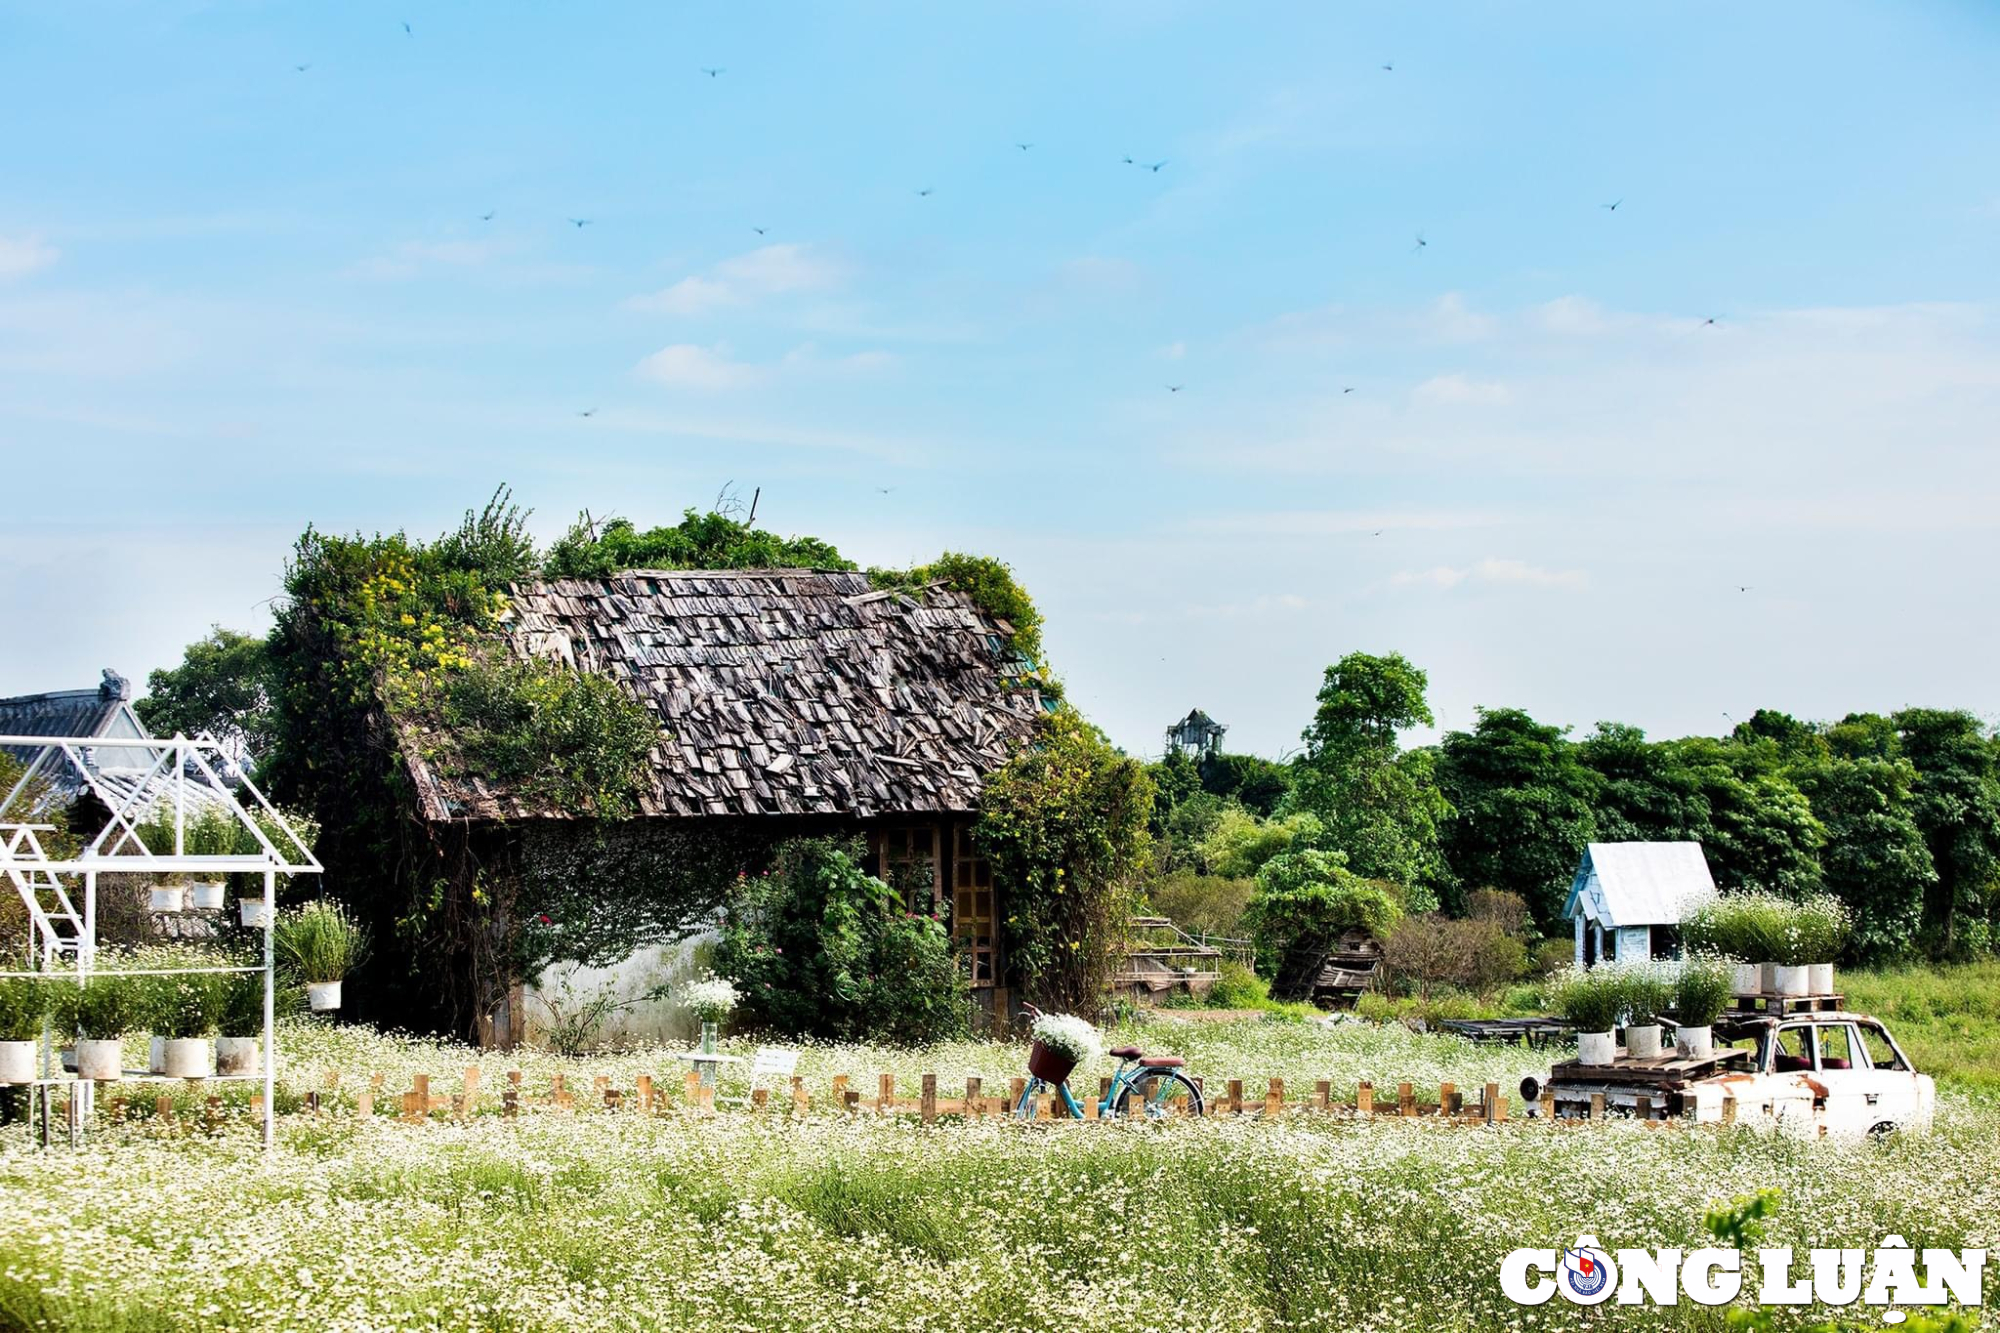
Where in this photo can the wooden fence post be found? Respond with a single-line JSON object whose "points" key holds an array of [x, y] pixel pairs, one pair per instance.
{"points": [[1274, 1098], [471, 1089], [800, 1104], [211, 1113], [973, 1102], [1496, 1104], [693, 1085], [760, 1098], [1364, 1098], [885, 1094], [1642, 1107], [1235, 1096], [1323, 1095], [1597, 1106], [1015, 1087], [163, 1109], [645, 1088], [1406, 1100], [928, 1105], [1449, 1101]]}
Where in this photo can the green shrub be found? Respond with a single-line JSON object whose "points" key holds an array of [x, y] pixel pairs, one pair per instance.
{"points": [[1201, 904], [1589, 1001], [1649, 988], [1239, 987], [1552, 956], [318, 942], [1240, 843], [1703, 985], [189, 1005], [100, 1009], [242, 1007], [1305, 901], [24, 1003], [820, 948], [1424, 952]]}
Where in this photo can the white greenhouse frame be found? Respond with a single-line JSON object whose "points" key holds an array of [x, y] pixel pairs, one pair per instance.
{"points": [[182, 778]]}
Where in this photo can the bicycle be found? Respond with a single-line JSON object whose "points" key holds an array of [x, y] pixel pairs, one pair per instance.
{"points": [[1145, 1086]]}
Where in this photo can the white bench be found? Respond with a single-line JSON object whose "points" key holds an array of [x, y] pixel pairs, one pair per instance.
{"points": [[773, 1063]]}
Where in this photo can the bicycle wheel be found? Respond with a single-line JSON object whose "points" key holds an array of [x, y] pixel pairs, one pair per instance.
{"points": [[1025, 1108], [1153, 1092]]}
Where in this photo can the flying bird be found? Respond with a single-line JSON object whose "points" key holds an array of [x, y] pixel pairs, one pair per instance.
{"points": [[406, 30], [1348, 389], [301, 68], [712, 71], [884, 490], [488, 215], [1128, 161], [1391, 68], [1174, 388], [1421, 243], [1024, 147], [1611, 207], [1743, 587], [760, 230], [1706, 322], [1377, 533], [579, 222], [588, 412], [924, 193], [1154, 167]]}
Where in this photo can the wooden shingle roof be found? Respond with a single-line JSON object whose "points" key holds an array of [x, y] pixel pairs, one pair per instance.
{"points": [[777, 692]]}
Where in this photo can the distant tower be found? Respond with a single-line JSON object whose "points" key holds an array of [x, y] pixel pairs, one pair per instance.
{"points": [[1197, 735]]}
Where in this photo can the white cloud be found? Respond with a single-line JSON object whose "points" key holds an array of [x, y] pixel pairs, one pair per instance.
{"points": [[22, 255], [689, 366], [771, 270], [1461, 389], [1491, 570]]}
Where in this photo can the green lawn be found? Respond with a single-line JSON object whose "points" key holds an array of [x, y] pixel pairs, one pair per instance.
{"points": [[596, 1220], [1947, 1018]]}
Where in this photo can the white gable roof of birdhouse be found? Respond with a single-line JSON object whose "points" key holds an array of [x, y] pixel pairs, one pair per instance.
{"points": [[1640, 883]]}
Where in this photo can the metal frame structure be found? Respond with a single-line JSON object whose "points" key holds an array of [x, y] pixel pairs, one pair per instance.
{"points": [[181, 778]]}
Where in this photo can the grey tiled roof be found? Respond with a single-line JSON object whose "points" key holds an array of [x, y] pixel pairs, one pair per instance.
{"points": [[782, 691]]}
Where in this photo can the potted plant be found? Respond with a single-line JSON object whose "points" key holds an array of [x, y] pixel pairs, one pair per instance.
{"points": [[168, 898], [251, 912], [1062, 1042], [1649, 992], [240, 1022], [1825, 923], [1792, 948], [100, 1010], [710, 1000], [320, 944], [186, 1009], [1702, 988], [24, 1003], [1590, 1001], [1717, 929], [207, 895]]}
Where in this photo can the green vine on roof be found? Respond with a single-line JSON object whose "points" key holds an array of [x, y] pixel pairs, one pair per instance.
{"points": [[989, 583], [595, 549]]}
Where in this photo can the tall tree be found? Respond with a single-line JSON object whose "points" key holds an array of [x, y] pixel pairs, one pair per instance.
{"points": [[222, 686], [1381, 805], [1957, 805], [1523, 803], [1875, 859]]}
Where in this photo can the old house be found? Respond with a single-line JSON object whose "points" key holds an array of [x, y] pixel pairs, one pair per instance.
{"points": [[104, 714], [1629, 898], [789, 702]]}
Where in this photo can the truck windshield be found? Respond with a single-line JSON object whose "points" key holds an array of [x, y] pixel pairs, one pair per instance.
{"points": [[1881, 1054]]}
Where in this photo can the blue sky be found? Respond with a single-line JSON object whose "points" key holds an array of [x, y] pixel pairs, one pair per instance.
{"points": [[237, 297]]}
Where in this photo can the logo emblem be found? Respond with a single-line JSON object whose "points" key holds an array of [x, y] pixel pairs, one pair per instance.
{"points": [[1586, 1274]]}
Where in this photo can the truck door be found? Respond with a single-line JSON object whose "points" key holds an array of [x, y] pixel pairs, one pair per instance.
{"points": [[1853, 1089], [1794, 1079]]}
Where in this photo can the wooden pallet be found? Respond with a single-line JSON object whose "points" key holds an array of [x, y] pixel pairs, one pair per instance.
{"points": [[1779, 1005], [1664, 1069]]}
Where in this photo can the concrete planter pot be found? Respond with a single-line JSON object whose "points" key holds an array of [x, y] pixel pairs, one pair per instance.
{"points": [[1768, 982], [17, 1062], [188, 1057], [1821, 978], [206, 897], [1694, 1043], [1749, 978], [323, 995], [100, 1059], [1794, 980], [236, 1055], [1642, 1041], [167, 898], [1596, 1048], [156, 1055], [250, 911]]}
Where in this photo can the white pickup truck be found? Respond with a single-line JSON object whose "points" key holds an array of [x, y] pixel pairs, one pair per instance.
{"points": [[1831, 1074]]}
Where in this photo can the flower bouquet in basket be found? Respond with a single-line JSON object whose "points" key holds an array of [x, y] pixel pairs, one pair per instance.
{"points": [[1062, 1042]]}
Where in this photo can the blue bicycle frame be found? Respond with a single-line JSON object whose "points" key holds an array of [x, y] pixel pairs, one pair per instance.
{"points": [[1128, 1073]]}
